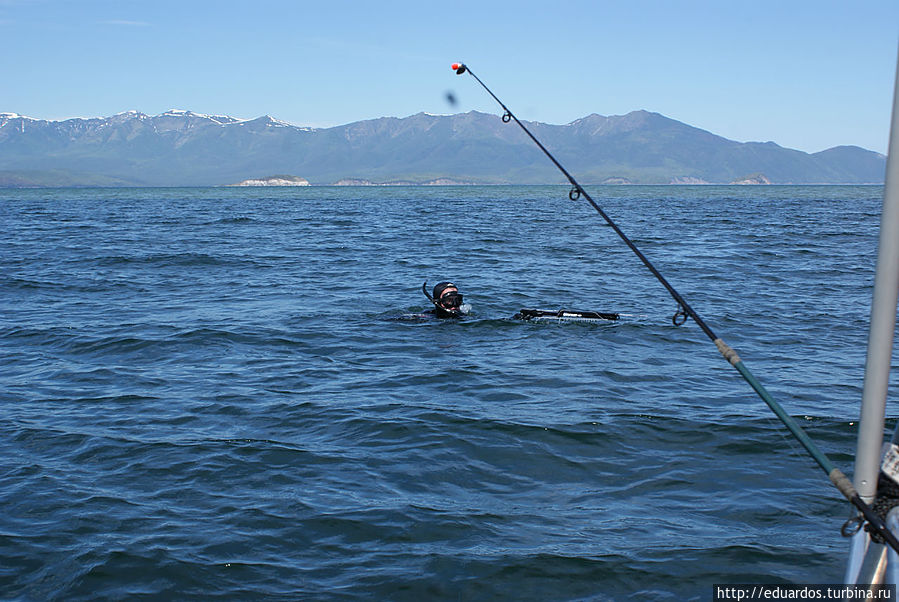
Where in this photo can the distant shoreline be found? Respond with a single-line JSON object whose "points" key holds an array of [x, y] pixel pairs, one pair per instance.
{"points": [[564, 186]]}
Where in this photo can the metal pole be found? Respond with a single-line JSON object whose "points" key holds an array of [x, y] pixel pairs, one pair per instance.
{"points": [[883, 323]]}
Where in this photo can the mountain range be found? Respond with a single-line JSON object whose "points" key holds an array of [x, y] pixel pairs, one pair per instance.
{"points": [[182, 148]]}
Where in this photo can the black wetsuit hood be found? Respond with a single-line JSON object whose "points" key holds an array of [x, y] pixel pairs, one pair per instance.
{"points": [[439, 310]]}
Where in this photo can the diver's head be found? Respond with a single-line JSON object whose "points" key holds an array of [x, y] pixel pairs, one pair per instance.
{"points": [[447, 297]]}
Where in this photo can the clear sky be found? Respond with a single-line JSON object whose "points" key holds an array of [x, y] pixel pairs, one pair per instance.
{"points": [[807, 74]]}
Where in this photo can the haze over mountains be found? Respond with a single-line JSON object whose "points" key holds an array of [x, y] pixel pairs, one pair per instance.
{"points": [[182, 148]]}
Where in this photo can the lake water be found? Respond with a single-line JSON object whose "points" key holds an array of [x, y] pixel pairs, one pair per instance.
{"points": [[207, 393]]}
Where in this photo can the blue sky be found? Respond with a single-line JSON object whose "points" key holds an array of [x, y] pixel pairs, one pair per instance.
{"points": [[806, 74]]}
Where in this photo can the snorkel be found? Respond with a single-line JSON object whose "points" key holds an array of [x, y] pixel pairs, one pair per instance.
{"points": [[455, 309]]}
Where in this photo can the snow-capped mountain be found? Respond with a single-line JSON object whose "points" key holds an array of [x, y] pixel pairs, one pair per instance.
{"points": [[183, 148]]}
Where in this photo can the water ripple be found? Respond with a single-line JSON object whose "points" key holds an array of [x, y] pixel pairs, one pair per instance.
{"points": [[214, 392]]}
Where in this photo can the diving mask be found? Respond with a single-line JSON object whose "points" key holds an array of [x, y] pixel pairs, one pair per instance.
{"points": [[452, 300]]}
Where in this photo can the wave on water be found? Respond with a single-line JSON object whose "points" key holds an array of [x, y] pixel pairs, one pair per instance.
{"points": [[167, 259], [208, 394]]}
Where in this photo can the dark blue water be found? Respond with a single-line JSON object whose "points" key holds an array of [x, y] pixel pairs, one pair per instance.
{"points": [[205, 392]]}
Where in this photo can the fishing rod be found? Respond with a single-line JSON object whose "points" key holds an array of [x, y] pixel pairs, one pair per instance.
{"points": [[684, 311]]}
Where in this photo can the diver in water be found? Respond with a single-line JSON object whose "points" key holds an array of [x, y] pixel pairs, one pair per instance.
{"points": [[447, 300]]}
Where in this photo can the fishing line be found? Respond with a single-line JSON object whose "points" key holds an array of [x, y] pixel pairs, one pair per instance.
{"points": [[685, 311]]}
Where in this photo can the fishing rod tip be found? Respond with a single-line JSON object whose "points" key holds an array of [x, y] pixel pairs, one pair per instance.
{"points": [[459, 68]]}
